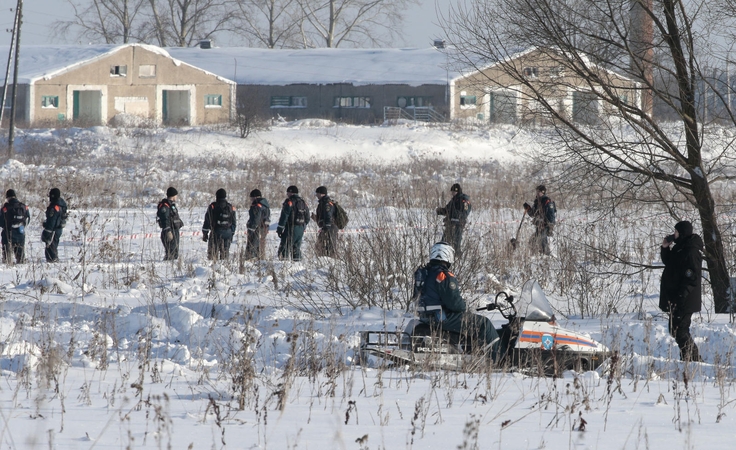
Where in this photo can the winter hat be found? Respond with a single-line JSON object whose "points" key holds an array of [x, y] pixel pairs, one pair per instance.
{"points": [[170, 192], [542, 188], [685, 228], [321, 190], [456, 188], [220, 194], [10, 193], [54, 194], [292, 189], [255, 193]]}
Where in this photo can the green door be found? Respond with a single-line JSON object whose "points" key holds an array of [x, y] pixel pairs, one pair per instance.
{"points": [[75, 105], [164, 104]]}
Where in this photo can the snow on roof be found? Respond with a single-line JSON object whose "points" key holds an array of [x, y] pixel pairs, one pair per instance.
{"points": [[410, 66], [46, 61]]}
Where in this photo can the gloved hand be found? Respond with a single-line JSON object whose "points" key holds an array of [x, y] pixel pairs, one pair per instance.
{"points": [[313, 216], [441, 211], [527, 207], [279, 231], [169, 236], [205, 236]]}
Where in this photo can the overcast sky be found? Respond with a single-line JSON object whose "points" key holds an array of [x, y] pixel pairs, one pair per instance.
{"points": [[420, 25]]}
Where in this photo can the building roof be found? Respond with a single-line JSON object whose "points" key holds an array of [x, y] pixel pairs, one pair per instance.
{"points": [[410, 66], [46, 61]]}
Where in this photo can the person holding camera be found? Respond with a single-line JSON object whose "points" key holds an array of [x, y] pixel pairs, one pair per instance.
{"points": [[679, 294]]}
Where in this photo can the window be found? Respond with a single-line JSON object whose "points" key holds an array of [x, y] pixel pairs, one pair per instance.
{"points": [[531, 72], [118, 71], [147, 70], [50, 101], [352, 102], [288, 102], [467, 101], [212, 101], [413, 102], [556, 72]]}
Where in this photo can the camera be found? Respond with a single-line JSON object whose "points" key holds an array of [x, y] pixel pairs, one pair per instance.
{"points": [[670, 238]]}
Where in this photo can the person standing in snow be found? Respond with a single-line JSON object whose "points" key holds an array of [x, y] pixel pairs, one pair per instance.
{"points": [[544, 215], [170, 223], [56, 215], [292, 221], [441, 304], [679, 290], [325, 218], [15, 220], [456, 216], [220, 221], [259, 219]]}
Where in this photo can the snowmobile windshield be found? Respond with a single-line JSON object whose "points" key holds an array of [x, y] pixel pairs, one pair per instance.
{"points": [[533, 304]]}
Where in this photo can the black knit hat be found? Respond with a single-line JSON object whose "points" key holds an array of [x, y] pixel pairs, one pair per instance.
{"points": [[10, 193], [456, 188], [54, 194], [542, 188], [685, 228], [220, 194], [255, 193], [170, 192], [321, 190], [292, 189]]}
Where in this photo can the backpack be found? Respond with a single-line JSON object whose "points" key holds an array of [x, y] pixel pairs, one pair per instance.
{"points": [[265, 215], [301, 212], [550, 211], [420, 275], [64, 215], [17, 212], [223, 216], [341, 217]]}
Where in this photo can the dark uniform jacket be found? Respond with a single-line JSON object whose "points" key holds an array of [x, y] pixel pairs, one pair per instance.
{"points": [[457, 210], [287, 219], [168, 215], [55, 216], [15, 219], [680, 284], [220, 218], [325, 212], [440, 292], [543, 212], [259, 214]]}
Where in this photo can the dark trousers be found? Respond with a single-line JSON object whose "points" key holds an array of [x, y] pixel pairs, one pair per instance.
{"points": [[540, 240], [680, 329], [327, 242], [218, 246], [291, 244], [256, 247], [52, 248], [17, 248], [453, 235], [473, 327], [171, 248]]}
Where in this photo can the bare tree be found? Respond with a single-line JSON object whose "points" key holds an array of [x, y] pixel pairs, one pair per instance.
{"points": [[628, 155], [112, 21], [181, 23], [269, 23], [331, 23]]}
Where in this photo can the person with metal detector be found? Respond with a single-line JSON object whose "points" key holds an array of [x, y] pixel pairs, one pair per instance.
{"points": [[440, 303], [543, 213]]}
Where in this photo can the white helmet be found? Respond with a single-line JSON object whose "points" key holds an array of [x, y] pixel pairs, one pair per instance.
{"points": [[442, 251]]}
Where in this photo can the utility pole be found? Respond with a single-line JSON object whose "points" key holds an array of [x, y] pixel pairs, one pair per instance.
{"points": [[7, 68], [13, 106]]}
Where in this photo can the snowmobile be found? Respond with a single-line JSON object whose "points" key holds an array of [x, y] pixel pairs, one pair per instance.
{"points": [[531, 342]]}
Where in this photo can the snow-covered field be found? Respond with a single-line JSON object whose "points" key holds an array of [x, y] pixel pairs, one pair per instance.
{"points": [[112, 348]]}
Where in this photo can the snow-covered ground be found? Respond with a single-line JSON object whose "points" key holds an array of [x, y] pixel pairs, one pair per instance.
{"points": [[112, 348]]}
